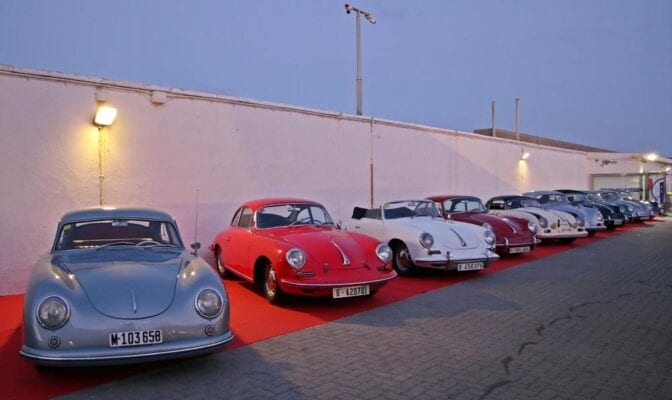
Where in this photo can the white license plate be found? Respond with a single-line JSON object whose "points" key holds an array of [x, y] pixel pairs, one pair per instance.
{"points": [[618, 222], [516, 250], [472, 266], [135, 338], [350, 291]]}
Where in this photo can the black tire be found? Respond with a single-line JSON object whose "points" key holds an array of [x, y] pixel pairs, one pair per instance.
{"points": [[591, 233], [270, 286], [401, 260], [567, 240], [219, 265]]}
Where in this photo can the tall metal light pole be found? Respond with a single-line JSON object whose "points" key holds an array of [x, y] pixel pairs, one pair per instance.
{"points": [[348, 9]]}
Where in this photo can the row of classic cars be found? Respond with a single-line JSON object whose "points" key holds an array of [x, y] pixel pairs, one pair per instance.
{"points": [[119, 286]]}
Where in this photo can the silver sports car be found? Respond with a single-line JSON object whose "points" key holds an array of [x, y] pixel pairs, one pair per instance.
{"points": [[119, 287]]}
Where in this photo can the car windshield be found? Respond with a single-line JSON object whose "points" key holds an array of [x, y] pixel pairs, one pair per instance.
{"points": [[409, 209], [594, 197], [578, 197], [112, 232], [610, 196], [524, 202], [465, 204], [558, 199], [289, 214]]}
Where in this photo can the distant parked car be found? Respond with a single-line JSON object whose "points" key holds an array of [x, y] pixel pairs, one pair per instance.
{"points": [[420, 237], [613, 217], [514, 235], [639, 211], [291, 246], [119, 287], [649, 208], [592, 217], [627, 209], [553, 224]]}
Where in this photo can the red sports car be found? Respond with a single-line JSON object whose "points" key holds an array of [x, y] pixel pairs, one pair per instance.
{"points": [[292, 246], [514, 235]]}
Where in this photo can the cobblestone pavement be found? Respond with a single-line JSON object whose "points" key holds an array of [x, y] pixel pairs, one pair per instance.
{"points": [[594, 322]]}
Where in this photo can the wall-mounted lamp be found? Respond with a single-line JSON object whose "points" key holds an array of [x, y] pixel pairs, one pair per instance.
{"points": [[105, 115], [524, 155], [651, 157], [667, 169]]}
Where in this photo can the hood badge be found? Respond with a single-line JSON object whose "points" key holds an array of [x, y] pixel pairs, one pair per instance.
{"points": [[135, 305], [346, 260]]}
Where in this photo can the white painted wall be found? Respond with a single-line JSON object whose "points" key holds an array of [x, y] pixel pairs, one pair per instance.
{"points": [[229, 150]]}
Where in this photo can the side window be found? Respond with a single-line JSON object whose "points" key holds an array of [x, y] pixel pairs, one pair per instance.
{"points": [[245, 220], [236, 217]]}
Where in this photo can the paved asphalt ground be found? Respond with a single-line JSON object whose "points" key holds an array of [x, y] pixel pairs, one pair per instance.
{"points": [[594, 322]]}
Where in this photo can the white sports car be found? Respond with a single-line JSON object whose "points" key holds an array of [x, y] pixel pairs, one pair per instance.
{"points": [[419, 237], [553, 224]]}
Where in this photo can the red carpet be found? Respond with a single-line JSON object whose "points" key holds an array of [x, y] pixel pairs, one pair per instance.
{"points": [[252, 319]]}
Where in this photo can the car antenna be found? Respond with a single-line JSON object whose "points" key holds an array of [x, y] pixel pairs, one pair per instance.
{"points": [[196, 245]]}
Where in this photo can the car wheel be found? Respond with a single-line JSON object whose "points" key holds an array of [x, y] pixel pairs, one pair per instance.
{"points": [[591, 233], [223, 272], [402, 260], [567, 240], [272, 290]]}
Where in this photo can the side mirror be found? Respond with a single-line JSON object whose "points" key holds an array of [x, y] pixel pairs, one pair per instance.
{"points": [[195, 246]]}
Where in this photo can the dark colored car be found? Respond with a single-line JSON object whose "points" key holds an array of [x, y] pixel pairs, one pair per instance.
{"points": [[513, 235], [613, 216]]}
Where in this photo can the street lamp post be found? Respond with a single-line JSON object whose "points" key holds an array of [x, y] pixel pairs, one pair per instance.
{"points": [[348, 9]]}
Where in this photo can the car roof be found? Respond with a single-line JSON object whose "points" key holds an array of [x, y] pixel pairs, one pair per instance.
{"points": [[451, 196], [534, 192], [95, 213], [258, 203]]}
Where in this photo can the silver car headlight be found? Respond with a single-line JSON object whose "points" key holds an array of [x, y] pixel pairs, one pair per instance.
{"points": [[384, 252], [631, 208], [543, 222], [489, 238], [426, 240], [53, 313], [208, 303], [599, 217], [580, 221], [487, 226], [532, 226], [296, 258]]}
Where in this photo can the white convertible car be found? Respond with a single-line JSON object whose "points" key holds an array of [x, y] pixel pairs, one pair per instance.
{"points": [[419, 237], [553, 224]]}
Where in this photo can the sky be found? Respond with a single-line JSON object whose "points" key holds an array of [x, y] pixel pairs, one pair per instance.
{"points": [[594, 72]]}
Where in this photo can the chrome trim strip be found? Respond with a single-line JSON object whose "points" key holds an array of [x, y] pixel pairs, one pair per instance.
{"points": [[346, 260], [334, 285]]}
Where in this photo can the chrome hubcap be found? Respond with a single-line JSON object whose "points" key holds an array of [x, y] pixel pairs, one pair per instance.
{"points": [[403, 259], [270, 281]]}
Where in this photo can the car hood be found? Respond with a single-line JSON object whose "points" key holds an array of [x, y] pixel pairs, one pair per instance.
{"points": [[326, 245], [452, 234], [500, 225], [123, 288]]}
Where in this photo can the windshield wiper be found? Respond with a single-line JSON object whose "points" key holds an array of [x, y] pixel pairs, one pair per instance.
{"points": [[120, 243]]}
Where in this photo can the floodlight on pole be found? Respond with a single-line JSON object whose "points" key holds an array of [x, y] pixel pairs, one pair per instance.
{"points": [[349, 8]]}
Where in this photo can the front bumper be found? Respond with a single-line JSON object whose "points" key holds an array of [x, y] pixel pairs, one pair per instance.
{"points": [[126, 355]]}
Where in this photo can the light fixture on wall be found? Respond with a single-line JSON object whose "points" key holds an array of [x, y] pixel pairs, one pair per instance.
{"points": [[651, 157], [524, 155], [105, 116], [667, 169]]}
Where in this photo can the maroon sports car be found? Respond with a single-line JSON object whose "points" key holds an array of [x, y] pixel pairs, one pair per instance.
{"points": [[514, 235]]}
